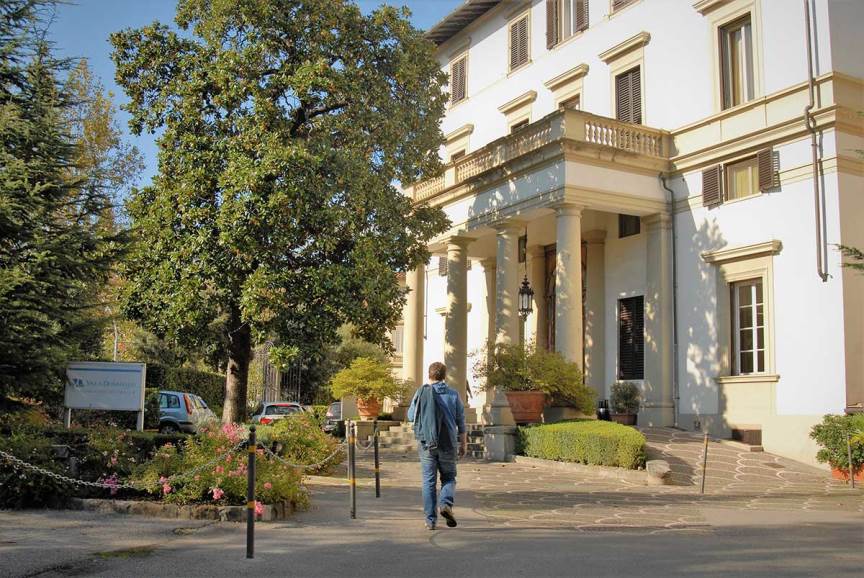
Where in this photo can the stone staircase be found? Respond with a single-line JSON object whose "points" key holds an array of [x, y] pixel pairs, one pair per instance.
{"points": [[401, 438]]}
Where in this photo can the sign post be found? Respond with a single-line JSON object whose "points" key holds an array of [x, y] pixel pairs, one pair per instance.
{"points": [[106, 386]]}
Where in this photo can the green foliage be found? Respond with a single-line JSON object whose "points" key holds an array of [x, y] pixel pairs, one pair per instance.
{"points": [[283, 128], [625, 397], [855, 256], [25, 489], [366, 379], [56, 250], [593, 442], [513, 367], [831, 436], [225, 482], [300, 440]]}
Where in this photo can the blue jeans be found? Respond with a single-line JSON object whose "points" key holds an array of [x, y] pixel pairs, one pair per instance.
{"points": [[433, 462]]}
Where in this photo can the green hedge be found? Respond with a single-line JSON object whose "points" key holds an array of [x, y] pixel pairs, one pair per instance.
{"points": [[210, 386], [584, 441]]}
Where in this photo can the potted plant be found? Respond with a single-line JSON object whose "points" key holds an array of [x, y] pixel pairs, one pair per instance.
{"points": [[831, 436], [369, 381], [625, 401], [531, 378]]}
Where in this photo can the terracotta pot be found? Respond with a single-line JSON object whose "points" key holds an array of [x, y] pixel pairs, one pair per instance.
{"points": [[368, 408], [624, 418], [838, 474], [527, 406]]}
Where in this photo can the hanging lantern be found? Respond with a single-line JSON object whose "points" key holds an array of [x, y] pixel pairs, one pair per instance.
{"points": [[526, 302]]}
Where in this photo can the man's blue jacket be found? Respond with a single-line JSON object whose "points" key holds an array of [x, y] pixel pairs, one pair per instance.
{"points": [[422, 412]]}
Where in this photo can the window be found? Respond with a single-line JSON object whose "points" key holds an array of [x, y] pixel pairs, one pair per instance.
{"points": [[168, 401], [748, 317], [736, 62], [742, 179], [458, 80], [619, 4], [457, 155], [442, 265], [519, 43], [521, 124], [631, 338], [628, 96], [571, 103], [564, 18], [628, 225], [396, 338]]}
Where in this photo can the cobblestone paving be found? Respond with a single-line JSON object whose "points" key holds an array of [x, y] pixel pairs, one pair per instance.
{"points": [[528, 496]]}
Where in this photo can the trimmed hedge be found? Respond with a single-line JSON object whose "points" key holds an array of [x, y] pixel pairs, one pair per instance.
{"points": [[210, 386], [584, 441]]}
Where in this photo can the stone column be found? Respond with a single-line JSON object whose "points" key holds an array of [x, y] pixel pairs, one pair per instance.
{"points": [[456, 321], [568, 283], [658, 407], [414, 324], [489, 271], [537, 277], [595, 310], [497, 410]]}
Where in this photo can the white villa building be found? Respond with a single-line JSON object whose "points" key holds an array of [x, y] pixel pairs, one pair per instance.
{"points": [[648, 165]]}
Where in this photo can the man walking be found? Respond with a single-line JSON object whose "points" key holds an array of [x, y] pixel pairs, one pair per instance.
{"points": [[439, 426]]}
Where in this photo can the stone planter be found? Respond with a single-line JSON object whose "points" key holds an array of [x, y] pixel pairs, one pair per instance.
{"points": [[368, 408], [624, 418], [839, 474], [527, 406]]}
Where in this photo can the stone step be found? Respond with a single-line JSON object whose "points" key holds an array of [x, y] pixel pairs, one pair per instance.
{"points": [[402, 447]]}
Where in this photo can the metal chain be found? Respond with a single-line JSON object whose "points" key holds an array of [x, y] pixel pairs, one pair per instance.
{"points": [[17, 462], [361, 447], [340, 448]]}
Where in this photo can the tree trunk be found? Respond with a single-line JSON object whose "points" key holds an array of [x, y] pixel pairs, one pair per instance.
{"points": [[237, 376]]}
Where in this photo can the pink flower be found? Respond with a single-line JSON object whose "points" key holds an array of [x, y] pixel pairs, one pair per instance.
{"points": [[217, 493], [268, 486], [228, 459], [219, 470], [166, 488], [259, 508]]}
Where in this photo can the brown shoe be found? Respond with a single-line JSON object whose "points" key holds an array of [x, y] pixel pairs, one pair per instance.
{"points": [[447, 514]]}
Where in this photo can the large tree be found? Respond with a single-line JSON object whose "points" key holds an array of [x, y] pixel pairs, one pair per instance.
{"points": [[53, 248], [274, 214]]}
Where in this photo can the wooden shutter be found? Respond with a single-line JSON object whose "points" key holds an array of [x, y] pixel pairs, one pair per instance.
{"points": [[631, 338], [581, 14], [616, 4], [711, 186], [765, 161], [628, 96], [442, 266], [553, 28], [519, 42], [457, 80]]}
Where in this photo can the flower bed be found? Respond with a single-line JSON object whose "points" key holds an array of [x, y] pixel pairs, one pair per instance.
{"points": [[584, 441]]}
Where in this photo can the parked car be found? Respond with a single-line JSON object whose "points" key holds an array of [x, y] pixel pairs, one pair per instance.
{"points": [[270, 411], [181, 411], [333, 423]]}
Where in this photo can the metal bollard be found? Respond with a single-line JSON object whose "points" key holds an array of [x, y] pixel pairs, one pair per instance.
{"points": [[704, 463], [849, 456], [377, 459], [352, 472], [250, 496]]}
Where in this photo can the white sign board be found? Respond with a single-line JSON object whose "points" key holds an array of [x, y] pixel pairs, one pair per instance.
{"points": [[105, 385]]}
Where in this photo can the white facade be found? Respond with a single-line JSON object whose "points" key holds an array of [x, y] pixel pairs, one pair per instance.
{"points": [[568, 174]]}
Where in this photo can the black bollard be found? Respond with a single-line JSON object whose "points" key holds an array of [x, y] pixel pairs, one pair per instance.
{"points": [[250, 496], [849, 455], [377, 460], [704, 463], [352, 473]]}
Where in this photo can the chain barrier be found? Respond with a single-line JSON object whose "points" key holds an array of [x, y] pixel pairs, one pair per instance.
{"points": [[339, 448]]}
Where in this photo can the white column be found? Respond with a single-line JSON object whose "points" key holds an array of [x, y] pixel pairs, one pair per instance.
{"points": [[413, 322], [568, 283], [658, 405], [507, 283], [536, 324], [456, 322], [489, 271], [595, 310]]}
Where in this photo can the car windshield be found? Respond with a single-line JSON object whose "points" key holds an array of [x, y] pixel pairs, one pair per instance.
{"points": [[335, 410], [282, 409]]}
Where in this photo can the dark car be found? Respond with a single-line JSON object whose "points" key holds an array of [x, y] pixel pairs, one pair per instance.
{"points": [[333, 423]]}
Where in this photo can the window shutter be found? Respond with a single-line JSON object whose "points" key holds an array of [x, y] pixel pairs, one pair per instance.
{"points": [[616, 4], [636, 96], [628, 97], [442, 266], [519, 43], [631, 338], [552, 26], [457, 80], [711, 186], [581, 14], [765, 160]]}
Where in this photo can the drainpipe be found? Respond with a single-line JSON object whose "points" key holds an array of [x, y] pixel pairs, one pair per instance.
{"points": [[810, 122], [675, 390]]}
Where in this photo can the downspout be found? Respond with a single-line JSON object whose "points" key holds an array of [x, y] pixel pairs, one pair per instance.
{"points": [[675, 391], [810, 122]]}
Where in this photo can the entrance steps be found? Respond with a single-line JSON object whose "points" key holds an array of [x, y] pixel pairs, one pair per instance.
{"points": [[401, 438]]}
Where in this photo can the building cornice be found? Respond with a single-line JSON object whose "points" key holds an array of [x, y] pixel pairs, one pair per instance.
{"points": [[706, 6], [518, 102], [742, 252], [619, 50], [574, 73], [462, 131]]}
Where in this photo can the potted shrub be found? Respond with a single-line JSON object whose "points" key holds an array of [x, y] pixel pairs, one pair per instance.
{"points": [[531, 378], [625, 400], [369, 381], [831, 436]]}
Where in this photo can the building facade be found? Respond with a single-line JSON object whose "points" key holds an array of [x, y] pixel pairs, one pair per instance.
{"points": [[648, 166]]}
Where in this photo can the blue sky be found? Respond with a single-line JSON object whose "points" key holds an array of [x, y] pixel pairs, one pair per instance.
{"points": [[81, 30]]}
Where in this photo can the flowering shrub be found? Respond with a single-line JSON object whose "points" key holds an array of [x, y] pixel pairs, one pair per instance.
{"points": [[300, 440], [222, 482]]}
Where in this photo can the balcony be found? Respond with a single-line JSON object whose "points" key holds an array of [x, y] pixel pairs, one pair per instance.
{"points": [[565, 132]]}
